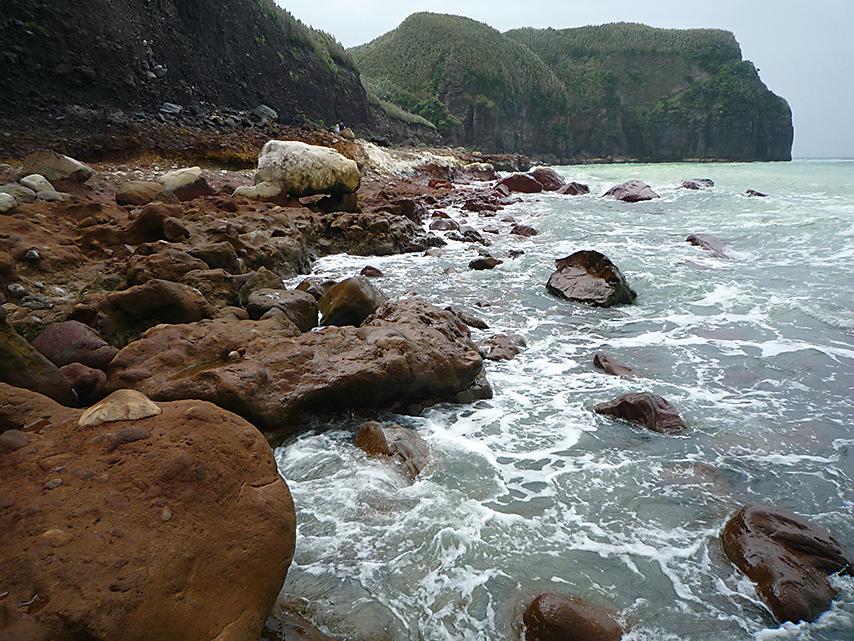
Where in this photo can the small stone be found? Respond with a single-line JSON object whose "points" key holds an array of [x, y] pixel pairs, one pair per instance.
{"points": [[166, 514], [234, 355], [7, 203], [32, 255], [12, 440], [171, 109], [56, 537], [52, 484]]}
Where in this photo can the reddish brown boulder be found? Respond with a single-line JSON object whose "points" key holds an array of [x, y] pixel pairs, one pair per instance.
{"points": [[788, 558], [299, 307], [147, 226], [526, 231], [611, 365], [555, 617], [503, 348], [142, 192], [73, 342], [138, 522], [368, 271], [408, 353], [574, 189], [648, 410], [89, 383], [404, 446], [522, 183], [590, 277], [632, 191], [350, 302], [167, 263], [548, 178], [161, 301], [485, 262], [315, 286]]}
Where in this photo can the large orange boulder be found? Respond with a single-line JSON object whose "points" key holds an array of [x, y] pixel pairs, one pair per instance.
{"points": [[137, 520]]}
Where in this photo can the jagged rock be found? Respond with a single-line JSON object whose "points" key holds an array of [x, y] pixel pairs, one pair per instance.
{"points": [[407, 353], [37, 183], [526, 231], [306, 170], [574, 189], [299, 307], [611, 365], [350, 302], [709, 243], [55, 167], [186, 184], [171, 109], [548, 178], [20, 193], [142, 192], [485, 262], [88, 383], [70, 341], [645, 409], [404, 446], [788, 558], [141, 511], [217, 286], [503, 348], [590, 277], [632, 191], [522, 183], [469, 319], [555, 617], [22, 366], [7, 203], [167, 263]]}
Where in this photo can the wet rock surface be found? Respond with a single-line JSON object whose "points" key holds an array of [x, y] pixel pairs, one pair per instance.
{"points": [[611, 365], [350, 302], [590, 277], [788, 558], [400, 444], [632, 191], [135, 512], [645, 409], [709, 243], [555, 617]]}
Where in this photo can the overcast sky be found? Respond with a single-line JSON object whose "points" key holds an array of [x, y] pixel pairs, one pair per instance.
{"points": [[804, 50]]}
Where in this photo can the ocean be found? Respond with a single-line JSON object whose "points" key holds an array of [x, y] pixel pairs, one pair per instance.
{"points": [[531, 491]]}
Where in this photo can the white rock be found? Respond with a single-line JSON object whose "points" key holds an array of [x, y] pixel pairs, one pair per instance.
{"points": [[121, 405], [306, 170], [260, 191], [7, 203], [53, 166], [37, 183], [186, 184]]}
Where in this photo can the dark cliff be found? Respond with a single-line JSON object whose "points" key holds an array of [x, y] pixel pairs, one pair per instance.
{"points": [[137, 54]]}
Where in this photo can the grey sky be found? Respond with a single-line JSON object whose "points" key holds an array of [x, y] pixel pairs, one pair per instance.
{"points": [[804, 50]]}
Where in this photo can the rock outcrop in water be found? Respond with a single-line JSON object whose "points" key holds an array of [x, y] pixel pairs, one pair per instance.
{"points": [[648, 410], [555, 617], [403, 446], [632, 191], [611, 365], [590, 277], [788, 558], [709, 243], [124, 529]]}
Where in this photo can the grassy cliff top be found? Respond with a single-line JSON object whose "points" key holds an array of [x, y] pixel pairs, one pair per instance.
{"points": [[430, 53]]}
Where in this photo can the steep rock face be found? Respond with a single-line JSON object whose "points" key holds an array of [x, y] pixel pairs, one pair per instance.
{"points": [[126, 54], [662, 94]]}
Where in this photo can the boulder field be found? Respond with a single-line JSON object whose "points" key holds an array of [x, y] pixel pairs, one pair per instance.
{"points": [[128, 519]]}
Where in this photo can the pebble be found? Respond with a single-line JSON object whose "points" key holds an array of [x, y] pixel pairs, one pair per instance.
{"points": [[52, 484], [165, 514]]}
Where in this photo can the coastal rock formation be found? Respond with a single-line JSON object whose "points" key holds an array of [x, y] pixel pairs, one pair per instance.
{"points": [[484, 263], [590, 277], [407, 353], [305, 170], [548, 178], [574, 189], [555, 617], [299, 307], [55, 167], [400, 444], [697, 184], [73, 342], [350, 302], [503, 348], [522, 183], [632, 191], [788, 558], [648, 410], [120, 529]]}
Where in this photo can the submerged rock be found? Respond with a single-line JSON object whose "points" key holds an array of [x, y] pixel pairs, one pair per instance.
{"points": [[611, 365], [408, 353], [698, 183], [526, 231], [404, 446], [756, 194], [632, 191], [306, 170], [590, 277], [350, 302], [141, 511], [555, 617], [788, 558], [709, 243], [645, 409]]}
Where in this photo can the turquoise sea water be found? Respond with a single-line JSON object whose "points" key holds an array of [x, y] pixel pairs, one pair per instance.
{"points": [[531, 491]]}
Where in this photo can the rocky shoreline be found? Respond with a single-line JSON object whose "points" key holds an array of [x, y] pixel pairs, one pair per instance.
{"points": [[154, 295]]}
